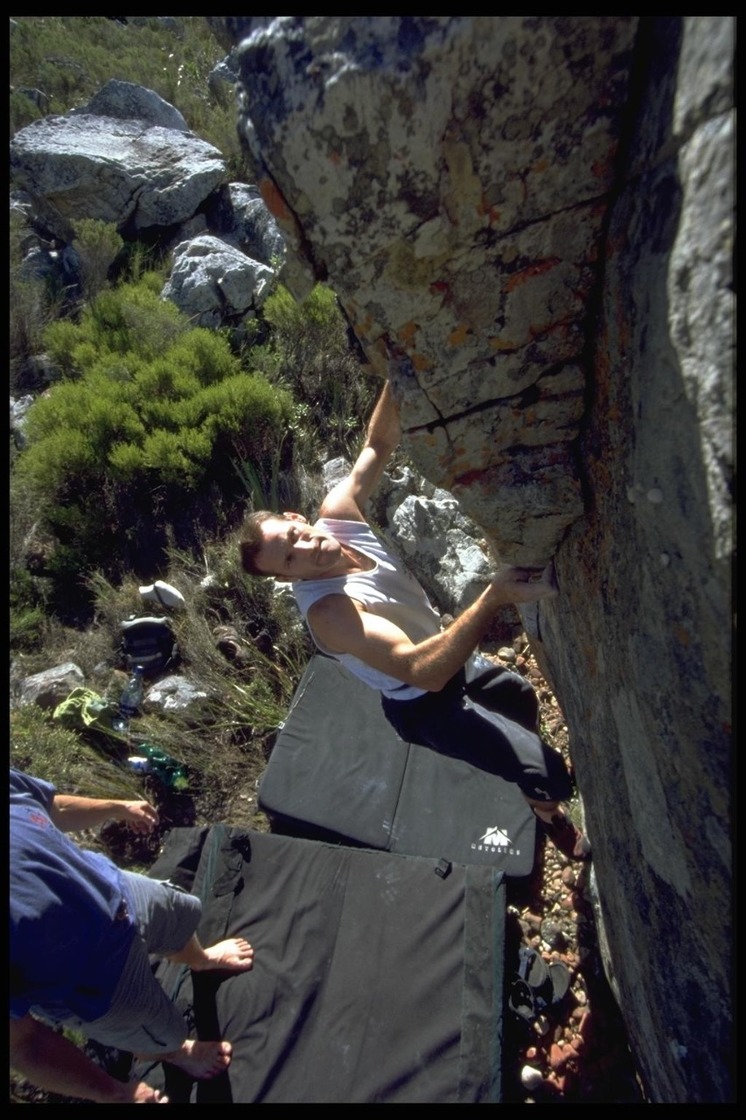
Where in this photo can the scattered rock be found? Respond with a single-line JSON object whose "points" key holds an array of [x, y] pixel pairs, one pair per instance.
{"points": [[578, 1059], [531, 1077]]}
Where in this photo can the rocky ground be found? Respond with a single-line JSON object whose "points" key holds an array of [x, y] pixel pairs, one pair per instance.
{"points": [[577, 1051]]}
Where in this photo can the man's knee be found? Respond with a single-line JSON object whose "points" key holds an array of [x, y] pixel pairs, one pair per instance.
{"points": [[166, 916], [546, 779], [499, 690]]}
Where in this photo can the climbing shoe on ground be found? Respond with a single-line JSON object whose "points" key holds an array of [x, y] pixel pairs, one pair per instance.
{"points": [[538, 986]]}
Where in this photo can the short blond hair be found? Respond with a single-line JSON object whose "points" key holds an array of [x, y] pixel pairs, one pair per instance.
{"points": [[252, 539]]}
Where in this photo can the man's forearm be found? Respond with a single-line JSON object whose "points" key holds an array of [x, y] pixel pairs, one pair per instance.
{"points": [[433, 662], [71, 814], [347, 500], [51, 1062], [342, 627], [437, 659], [384, 430]]}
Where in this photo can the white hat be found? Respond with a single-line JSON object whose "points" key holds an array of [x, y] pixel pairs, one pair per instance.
{"points": [[163, 593]]}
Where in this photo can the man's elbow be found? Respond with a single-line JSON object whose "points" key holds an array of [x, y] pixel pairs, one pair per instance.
{"points": [[430, 679], [23, 1041], [59, 815]]}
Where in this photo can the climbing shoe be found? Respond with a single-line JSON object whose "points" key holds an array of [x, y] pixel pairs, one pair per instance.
{"points": [[567, 837]]}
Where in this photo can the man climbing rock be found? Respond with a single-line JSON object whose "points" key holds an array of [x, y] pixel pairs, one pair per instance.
{"points": [[364, 609]]}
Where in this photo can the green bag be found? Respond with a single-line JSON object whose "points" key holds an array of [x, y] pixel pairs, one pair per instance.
{"points": [[85, 708]]}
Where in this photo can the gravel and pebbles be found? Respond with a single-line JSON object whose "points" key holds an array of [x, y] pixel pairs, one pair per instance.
{"points": [[578, 1050]]}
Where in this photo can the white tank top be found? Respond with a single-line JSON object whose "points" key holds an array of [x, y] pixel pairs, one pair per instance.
{"points": [[387, 590]]}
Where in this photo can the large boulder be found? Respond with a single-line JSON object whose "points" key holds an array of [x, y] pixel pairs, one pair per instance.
{"points": [[128, 101], [127, 172], [211, 281], [238, 213], [443, 549], [127, 157], [529, 223], [640, 639]]}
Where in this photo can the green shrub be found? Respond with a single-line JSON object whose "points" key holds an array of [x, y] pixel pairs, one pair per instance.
{"points": [[32, 305], [138, 262], [27, 321], [27, 628], [310, 351], [22, 111], [97, 244], [206, 355], [143, 433], [131, 321]]}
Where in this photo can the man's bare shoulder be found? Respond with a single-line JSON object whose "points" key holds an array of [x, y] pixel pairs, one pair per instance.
{"points": [[340, 505]]}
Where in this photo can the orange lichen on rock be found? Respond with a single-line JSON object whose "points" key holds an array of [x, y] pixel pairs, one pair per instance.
{"points": [[485, 208], [406, 333], [459, 336], [468, 477], [528, 273], [275, 202]]}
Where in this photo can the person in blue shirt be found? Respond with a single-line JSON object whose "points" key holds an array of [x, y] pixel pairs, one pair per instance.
{"points": [[81, 931]]}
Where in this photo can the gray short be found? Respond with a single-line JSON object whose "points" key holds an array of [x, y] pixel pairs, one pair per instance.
{"points": [[142, 1019]]}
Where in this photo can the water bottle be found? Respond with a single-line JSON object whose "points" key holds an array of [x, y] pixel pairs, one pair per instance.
{"points": [[130, 701], [152, 760], [138, 765]]}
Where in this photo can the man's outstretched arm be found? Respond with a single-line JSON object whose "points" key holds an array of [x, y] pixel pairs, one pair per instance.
{"points": [[342, 626], [71, 814], [51, 1062], [348, 498]]}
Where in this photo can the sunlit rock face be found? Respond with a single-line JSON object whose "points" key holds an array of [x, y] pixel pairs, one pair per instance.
{"points": [[529, 223], [451, 177]]}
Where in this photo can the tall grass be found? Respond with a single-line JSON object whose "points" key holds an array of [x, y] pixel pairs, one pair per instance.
{"points": [[69, 58]]}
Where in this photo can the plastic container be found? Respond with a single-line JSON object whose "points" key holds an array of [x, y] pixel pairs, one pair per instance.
{"points": [[130, 701], [160, 765], [139, 765]]}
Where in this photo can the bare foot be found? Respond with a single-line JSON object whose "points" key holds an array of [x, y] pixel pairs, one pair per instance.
{"points": [[202, 1060], [234, 954]]}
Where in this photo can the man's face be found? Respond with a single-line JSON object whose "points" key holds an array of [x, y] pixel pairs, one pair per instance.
{"points": [[294, 550]]}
